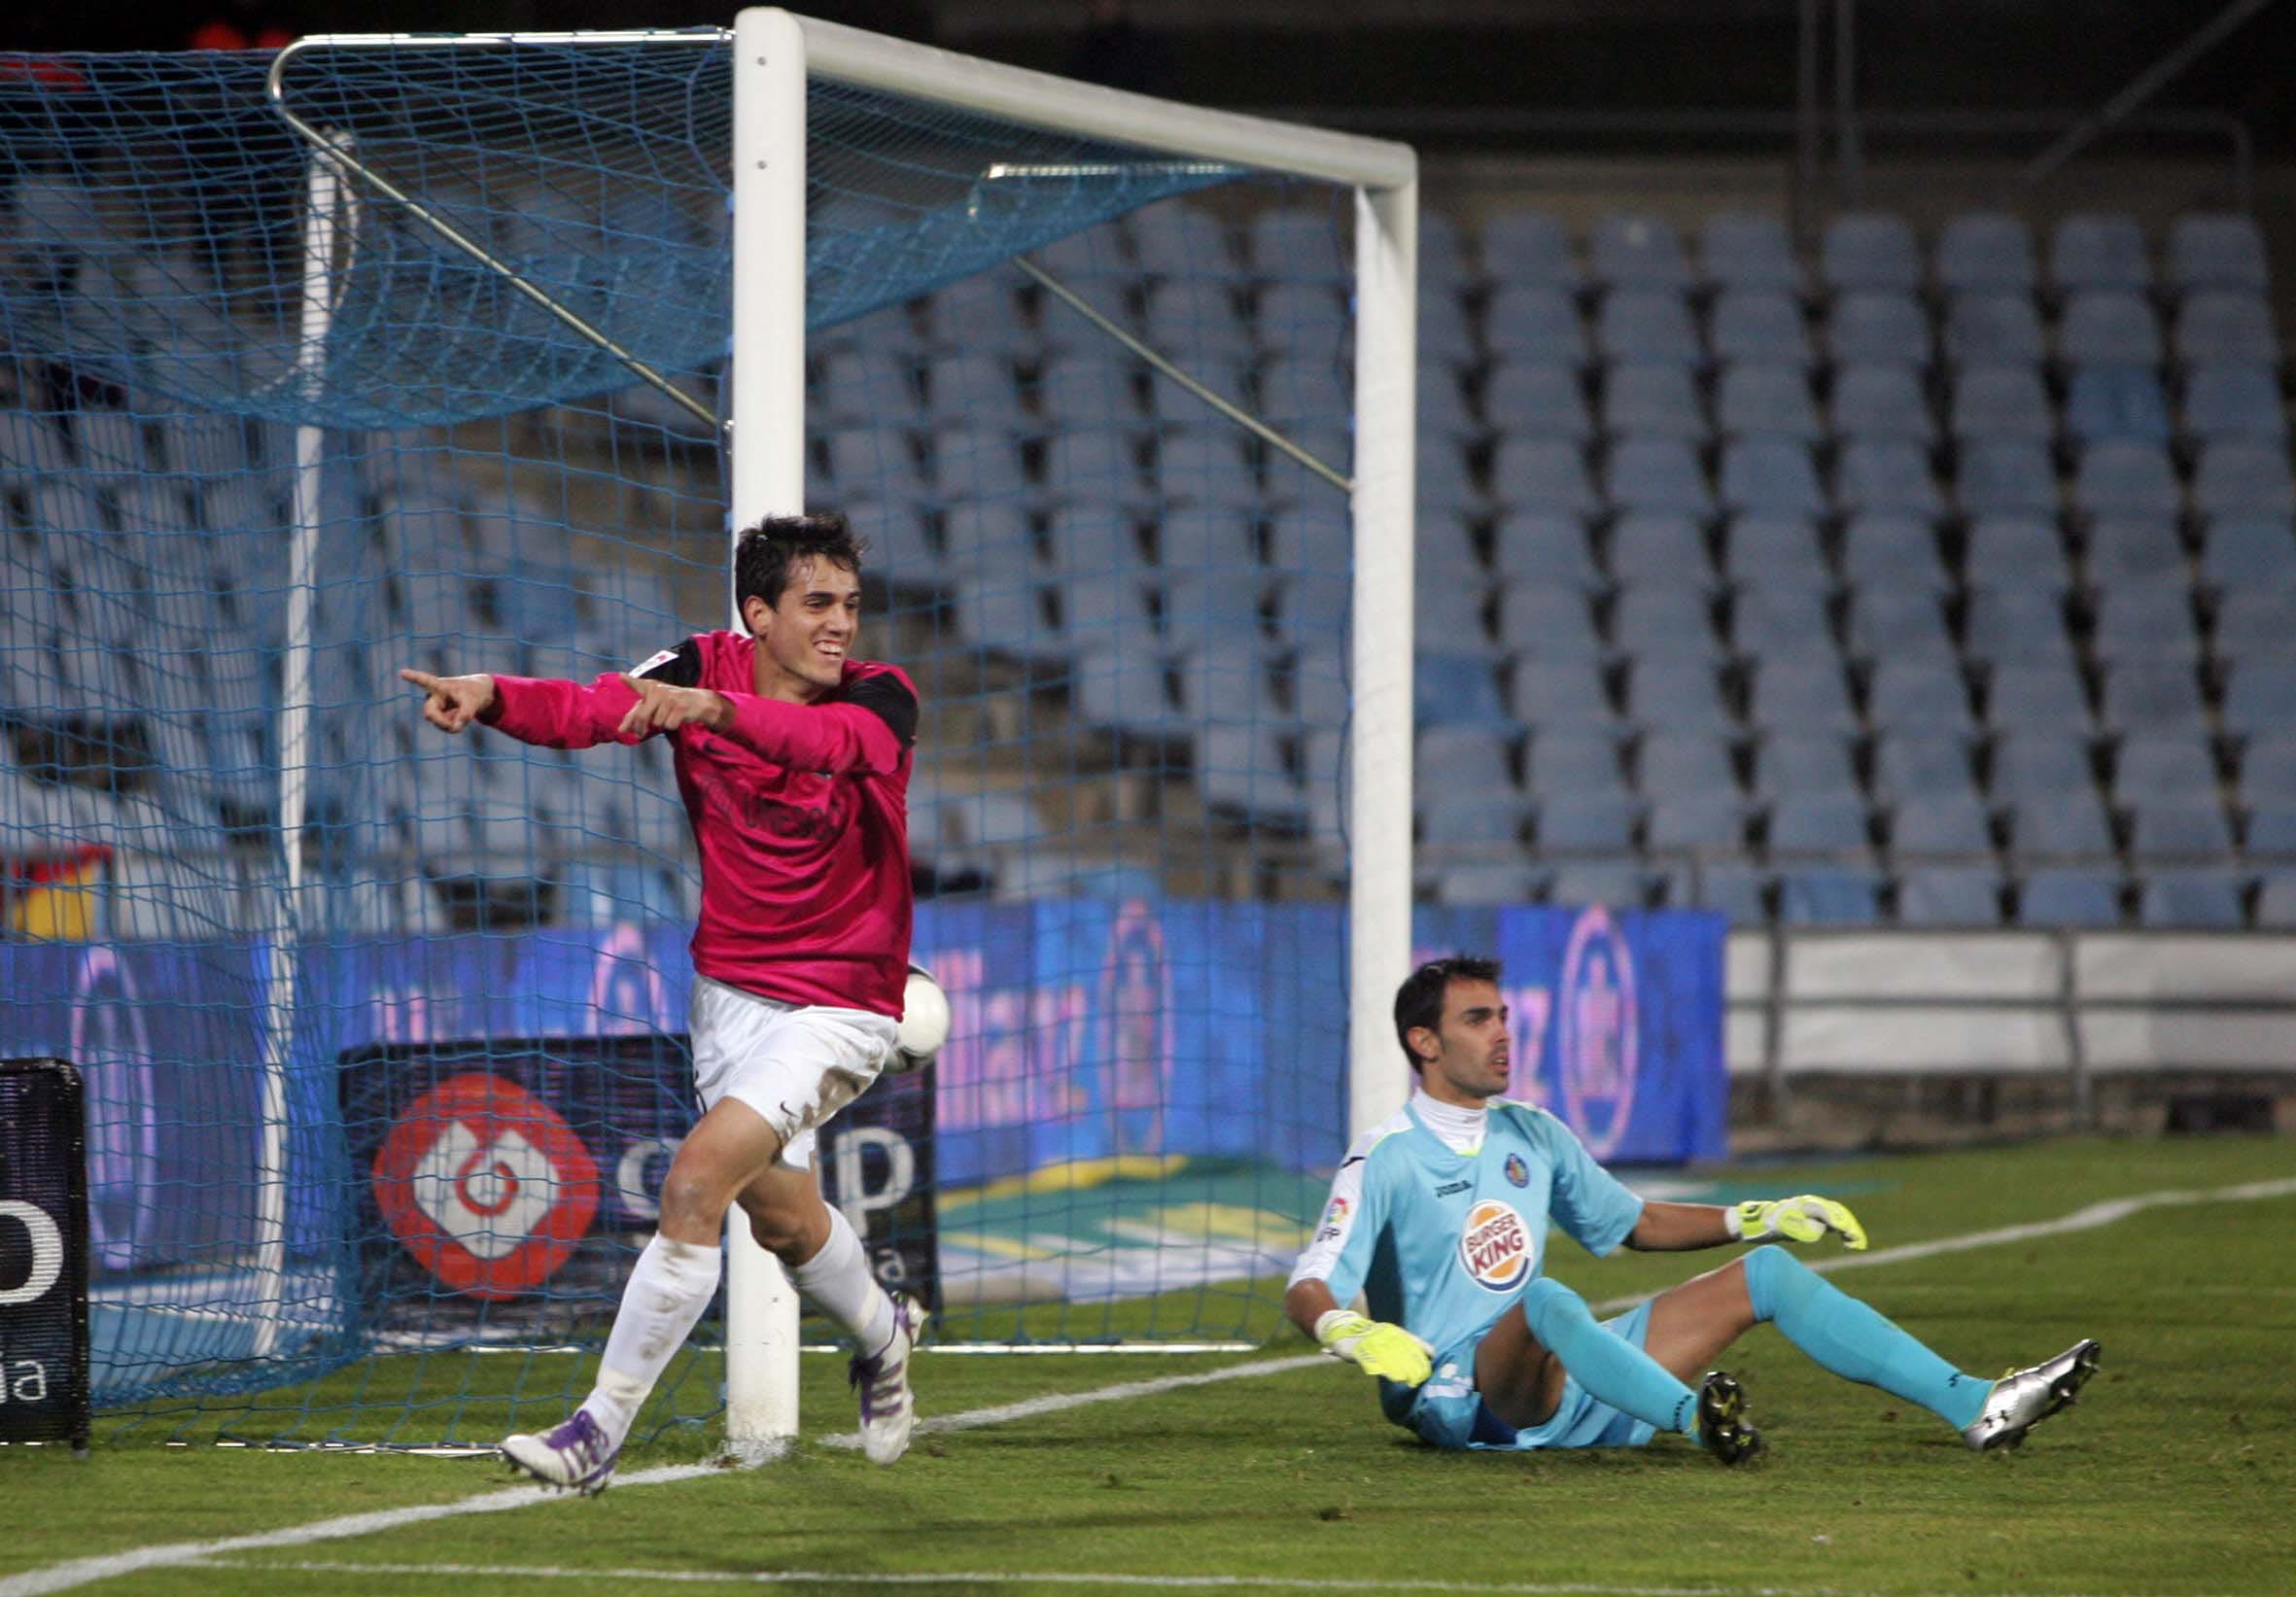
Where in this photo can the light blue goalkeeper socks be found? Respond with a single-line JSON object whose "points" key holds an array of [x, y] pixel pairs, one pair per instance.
{"points": [[1854, 1341], [1610, 1369]]}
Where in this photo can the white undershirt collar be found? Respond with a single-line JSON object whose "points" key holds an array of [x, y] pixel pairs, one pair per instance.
{"points": [[1461, 1129]]}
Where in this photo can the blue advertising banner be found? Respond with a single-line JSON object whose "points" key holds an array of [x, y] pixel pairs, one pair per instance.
{"points": [[1083, 1030]]}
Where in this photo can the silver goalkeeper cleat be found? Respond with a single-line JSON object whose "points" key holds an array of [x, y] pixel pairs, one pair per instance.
{"points": [[2023, 1398]]}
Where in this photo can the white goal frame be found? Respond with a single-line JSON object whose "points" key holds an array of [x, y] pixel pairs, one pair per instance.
{"points": [[775, 53]]}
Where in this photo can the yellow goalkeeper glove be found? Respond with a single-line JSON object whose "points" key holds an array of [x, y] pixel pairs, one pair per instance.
{"points": [[1803, 1218], [1381, 1349]]}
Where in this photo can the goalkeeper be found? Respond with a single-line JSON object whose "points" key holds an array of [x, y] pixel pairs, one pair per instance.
{"points": [[1439, 1218]]}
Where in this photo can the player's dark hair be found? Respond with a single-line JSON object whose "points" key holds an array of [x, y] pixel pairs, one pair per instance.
{"points": [[1418, 1002], [765, 553]]}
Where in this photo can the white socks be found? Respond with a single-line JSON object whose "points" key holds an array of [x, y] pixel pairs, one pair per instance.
{"points": [[668, 1287], [838, 1280]]}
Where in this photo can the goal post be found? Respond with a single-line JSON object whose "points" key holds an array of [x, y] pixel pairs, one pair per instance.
{"points": [[776, 55]]}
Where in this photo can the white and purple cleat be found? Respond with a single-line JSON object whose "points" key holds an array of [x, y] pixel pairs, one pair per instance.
{"points": [[575, 1457], [888, 1409]]}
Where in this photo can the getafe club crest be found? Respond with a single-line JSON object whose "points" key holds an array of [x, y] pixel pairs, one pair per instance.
{"points": [[1597, 1043], [1518, 1174], [484, 1184], [1495, 1246]]}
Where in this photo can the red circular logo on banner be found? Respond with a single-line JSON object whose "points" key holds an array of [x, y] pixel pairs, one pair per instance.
{"points": [[486, 1186]]}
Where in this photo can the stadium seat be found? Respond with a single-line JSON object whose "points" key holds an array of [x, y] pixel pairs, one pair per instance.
{"points": [[1445, 334], [1801, 695], [2126, 477], [1775, 622], [1528, 321], [1804, 821], [2070, 897], [2099, 250], [2168, 830], [1309, 320], [2145, 622], [1529, 400], [1638, 251], [1658, 548], [2041, 762], [1311, 605], [2233, 399], [2145, 697], [1106, 609], [1761, 325], [2214, 250], [2134, 549], [1917, 695], [1884, 327], [1004, 613], [1949, 895], [2226, 324], [1684, 765], [1882, 401], [1086, 383], [1993, 328], [1828, 896], [1295, 389], [1496, 882], [1752, 401], [2018, 621], [2200, 898], [2259, 697], [2251, 553], [1452, 816], [1656, 474], [2006, 479], [2002, 402], [1891, 620], [1651, 400], [2108, 327], [1556, 764], [2268, 765], [1206, 465], [1991, 250], [1748, 250], [1777, 552], [1445, 481], [1771, 475], [1225, 540], [1887, 475], [2276, 900], [2116, 402], [2240, 477], [973, 386], [1617, 884], [1528, 247], [2015, 549], [2256, 623], [1647, 325], [1241, 769], [1082, 538], [1122, 691], [1545, 622], [1669, 619], [1097, 468], [1891, 551], [2069, 825], [1869, 249], [1296, 240], [1195, 314], [1542, 546], [1672, 694], [1793, 761], [1174, 236], [1542, 474], [2164, 768], [2038, 697], [1464, 758], [1593, 823], [2270, 829], [1228, 604], [978, 463], [1940, 823], [1705, 823], [1560, 695]]}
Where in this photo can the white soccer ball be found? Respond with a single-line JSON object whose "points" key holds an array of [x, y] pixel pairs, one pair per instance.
{"points": [[924, 1021]]}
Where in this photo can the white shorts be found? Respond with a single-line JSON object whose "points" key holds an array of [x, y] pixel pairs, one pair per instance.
{"points": [[796, 1064]]}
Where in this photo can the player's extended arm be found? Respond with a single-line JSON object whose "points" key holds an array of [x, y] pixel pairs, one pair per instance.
{"points": [[1379, 1348], [556, 714], [452, 703], [1667, 1228]]}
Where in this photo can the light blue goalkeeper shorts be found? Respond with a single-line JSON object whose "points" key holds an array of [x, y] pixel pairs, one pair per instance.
{"points": [[1449, 1413]]}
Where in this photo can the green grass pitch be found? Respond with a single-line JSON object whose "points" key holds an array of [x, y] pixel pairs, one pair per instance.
{"points": [[2173, 1475]]}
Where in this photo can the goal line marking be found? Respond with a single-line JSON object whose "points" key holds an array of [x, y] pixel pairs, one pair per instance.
{"points": [[80, 1572]]}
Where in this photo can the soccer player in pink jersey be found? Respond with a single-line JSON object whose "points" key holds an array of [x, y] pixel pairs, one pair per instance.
{"points": [[793, 760]]}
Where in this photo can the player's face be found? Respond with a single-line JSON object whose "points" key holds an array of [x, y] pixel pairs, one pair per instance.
{"points": [[802, 641], [1472, 1036]]}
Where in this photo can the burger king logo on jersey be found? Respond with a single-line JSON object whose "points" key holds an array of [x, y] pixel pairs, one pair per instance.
{"points": [[486, 1186], [1496, 1246]]}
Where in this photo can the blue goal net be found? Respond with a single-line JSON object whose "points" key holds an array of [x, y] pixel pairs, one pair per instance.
{"points": [[382, 1031]]}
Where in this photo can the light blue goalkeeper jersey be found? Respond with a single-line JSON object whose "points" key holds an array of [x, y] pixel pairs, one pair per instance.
{"points": [[1443, 1243]]}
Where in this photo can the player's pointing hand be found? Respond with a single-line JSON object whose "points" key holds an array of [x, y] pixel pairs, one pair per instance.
{"points": [[451, 703], [663, 707]]}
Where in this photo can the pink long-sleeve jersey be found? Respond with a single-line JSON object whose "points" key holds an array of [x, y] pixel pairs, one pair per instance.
{"points": [[800, 812]]}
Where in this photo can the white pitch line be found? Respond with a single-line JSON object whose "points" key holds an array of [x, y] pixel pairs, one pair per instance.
{"points": [[1006, 1578], [80, 1572], [1030, 1408]]}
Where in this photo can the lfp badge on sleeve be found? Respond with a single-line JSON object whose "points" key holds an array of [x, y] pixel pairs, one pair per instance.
{"points": [[42, 1254]]}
